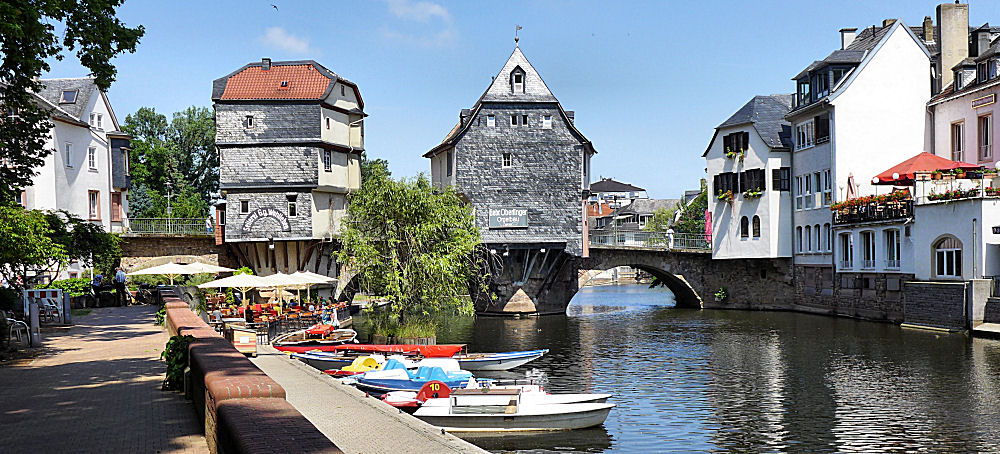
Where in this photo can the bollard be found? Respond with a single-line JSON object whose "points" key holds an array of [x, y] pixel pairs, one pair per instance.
{"points": [[67, 310], [35, 337]]}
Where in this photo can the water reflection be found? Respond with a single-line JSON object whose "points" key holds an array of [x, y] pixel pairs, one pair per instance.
{"points": [[748, 381]]}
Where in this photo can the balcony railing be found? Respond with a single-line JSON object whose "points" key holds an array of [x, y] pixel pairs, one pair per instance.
{"points": [[168, 226], [874, 212], [656, 240], [891, 264], [846, 264], [868, 265]]}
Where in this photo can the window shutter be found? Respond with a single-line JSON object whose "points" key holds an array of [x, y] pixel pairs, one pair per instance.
{"points": [[742, 180], [715, 185], [746, 141], [776, 178], [727, 142]]}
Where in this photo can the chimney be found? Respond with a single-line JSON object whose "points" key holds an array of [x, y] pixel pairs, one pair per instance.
{"points": [[888, 22], [928, 29], [980, 41], [953, 38], [464, 116], [571, 115], [847, 36], [265, 64]]}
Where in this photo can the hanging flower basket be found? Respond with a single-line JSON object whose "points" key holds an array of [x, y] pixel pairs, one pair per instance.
{"points": [[727, 196], [753, 194]]}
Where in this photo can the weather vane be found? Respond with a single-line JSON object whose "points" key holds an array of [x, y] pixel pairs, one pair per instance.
{"points": [[516, 28]]}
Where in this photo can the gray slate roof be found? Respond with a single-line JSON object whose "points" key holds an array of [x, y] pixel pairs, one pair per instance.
{"points": [[767, 113], [865, 41], [535, 89], [609, 185], [86, 88], [648, 206]]}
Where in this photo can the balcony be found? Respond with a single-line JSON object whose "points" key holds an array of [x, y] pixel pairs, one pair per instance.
{"points": [[852, 212]]}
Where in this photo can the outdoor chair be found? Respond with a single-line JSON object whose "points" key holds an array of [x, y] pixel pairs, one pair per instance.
{"points": [[14, 328]]}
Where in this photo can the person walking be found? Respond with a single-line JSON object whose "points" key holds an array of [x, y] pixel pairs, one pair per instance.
{"points": [[209, 224], [120, 286], [670, 237]]}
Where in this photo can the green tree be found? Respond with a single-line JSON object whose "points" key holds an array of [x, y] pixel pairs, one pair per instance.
{"points": [[693, 218], [662, 218], [26, 245], [412, 244], [191, 137], [31, 33]]}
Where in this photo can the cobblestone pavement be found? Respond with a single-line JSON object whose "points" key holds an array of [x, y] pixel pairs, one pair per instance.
{"points": [[98, 391], [355, 423]]}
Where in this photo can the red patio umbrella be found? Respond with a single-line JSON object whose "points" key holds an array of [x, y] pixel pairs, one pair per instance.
{"points": [[902, 174]]}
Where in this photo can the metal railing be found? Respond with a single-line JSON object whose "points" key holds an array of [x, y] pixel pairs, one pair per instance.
{"points": [[168, 226], [655, 240], [873, 212], [892, 264]]}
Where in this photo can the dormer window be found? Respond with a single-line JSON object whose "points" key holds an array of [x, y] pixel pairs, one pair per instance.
{"points": [[68, 97], [981, 73], [958, 80], [248, 122], [285, 84], [992, 69], [517, 81]]}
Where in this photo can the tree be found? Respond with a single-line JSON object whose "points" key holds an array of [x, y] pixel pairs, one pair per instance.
{"points": [[191, 138], [693, 218], [412, 244], [28, 39], [26, 244], [662, 218]]}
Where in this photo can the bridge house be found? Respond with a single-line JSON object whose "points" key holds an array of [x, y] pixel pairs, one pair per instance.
{"points": [[517, 157], [290, 135]]}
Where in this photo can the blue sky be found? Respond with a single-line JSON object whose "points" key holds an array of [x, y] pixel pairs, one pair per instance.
{"points": [[648, 80]]}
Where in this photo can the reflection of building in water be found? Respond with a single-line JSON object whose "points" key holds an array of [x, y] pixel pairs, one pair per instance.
{"points": [[290, 136]]}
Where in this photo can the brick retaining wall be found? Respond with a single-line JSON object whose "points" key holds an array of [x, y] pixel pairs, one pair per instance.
{"points": [[242, 408]]}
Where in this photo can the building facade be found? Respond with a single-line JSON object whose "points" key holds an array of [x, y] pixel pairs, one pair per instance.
{"points": [[290, 135], [749, 162], [614, 193], [525, 169]]}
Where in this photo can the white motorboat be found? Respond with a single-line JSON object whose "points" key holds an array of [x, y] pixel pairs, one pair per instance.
{"points": [[508, 410], [498, 361]]}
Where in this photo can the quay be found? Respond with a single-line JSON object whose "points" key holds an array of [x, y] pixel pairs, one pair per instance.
{"points": [[355, 423], [96, 388]]}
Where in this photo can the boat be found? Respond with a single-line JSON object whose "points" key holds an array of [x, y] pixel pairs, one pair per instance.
{"points": [[428, 351], [394, 376], [315, 336], [360, 365], [508, 410], [409, 401], [498, 361]]}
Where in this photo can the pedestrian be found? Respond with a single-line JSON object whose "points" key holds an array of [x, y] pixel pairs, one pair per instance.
{"points": [[670, 237], [96, 283], [209, 224], [248, 313], [120, 286]]}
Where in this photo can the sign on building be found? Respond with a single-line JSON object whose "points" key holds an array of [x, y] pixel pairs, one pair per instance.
{"points": [[508, 218], [272, 213]]}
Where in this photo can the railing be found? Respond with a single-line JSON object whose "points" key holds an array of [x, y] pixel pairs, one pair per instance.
{"points": [[168, 226], [873, 212], [656, 240], [846, 264], [891, 264], [868, 265]]}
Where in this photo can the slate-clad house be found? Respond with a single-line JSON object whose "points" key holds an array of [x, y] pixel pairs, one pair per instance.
{"points": [[290, 135], [519, 160]]}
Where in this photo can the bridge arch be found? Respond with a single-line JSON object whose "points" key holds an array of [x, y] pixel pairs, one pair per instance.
{"points": [[685, 296]]}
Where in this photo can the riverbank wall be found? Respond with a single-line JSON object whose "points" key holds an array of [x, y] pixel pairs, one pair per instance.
{"points": [[241, 408]]}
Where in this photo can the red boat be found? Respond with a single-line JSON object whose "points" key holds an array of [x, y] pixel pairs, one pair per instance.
{"points": [[427, 351]]}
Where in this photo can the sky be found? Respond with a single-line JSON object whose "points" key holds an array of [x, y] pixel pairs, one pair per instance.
{"points": [[649, 81]]}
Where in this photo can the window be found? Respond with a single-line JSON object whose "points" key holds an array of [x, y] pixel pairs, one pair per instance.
{"points": [[342, 92], [985, 137], [981, 73], [818, 233], [822, 123], [803, 92], [958, 141], [868, 250], [780, 179], [524, 120], [804, 135], [249, 122], [726, 181], [809, 239], [92, 158], [827, 188], [68, 97], [839, 73], [221, 216], [820, 85], [827, 238], [507, 160], [94, 202], [285, 85], [547, 122], [736, 142], [68, 156], [993, 69], [846, 251], [291, 209], [450, 156], [517, 82], [756, 226], [116, 207], [948, 257], [21, 198], [808, 194], [513, 120], [892, 249], [100, 120], [244, 206], [798, 239], [744, 227], [753, 179], [798, 193], [491, 121]]}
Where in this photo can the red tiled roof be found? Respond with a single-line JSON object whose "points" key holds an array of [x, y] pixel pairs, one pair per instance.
{"points": [[598, 210], [304, 82]]}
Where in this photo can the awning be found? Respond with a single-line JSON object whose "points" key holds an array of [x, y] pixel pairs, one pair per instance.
{"points": [[903, 174]]}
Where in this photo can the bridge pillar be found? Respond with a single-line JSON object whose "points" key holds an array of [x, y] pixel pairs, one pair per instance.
{"points": [[529, 281]]}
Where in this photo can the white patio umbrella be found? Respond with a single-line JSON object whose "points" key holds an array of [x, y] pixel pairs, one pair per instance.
{"points": [[241, 282], [199, 268], [310, 279], [281, 281], [171, 270]]}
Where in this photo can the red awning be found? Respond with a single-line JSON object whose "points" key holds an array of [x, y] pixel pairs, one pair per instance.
{"points": [[923, 162]]}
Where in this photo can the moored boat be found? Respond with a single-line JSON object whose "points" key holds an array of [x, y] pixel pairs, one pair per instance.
{"points": [[394, 376], [508, 410], [498, 361], [315, 336], [428, 351]]}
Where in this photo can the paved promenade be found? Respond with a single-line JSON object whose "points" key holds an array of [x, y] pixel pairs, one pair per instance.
{"points": [[355, 423], [98, 390]]}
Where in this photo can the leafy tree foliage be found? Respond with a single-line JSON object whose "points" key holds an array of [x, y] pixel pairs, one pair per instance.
{"points": [[412, 244], [662, 218], [693, 218], [32, 32]]}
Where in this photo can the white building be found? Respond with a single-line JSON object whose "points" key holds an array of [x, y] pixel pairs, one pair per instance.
{"points": [[749, 163], [87, 172], [857, 112], [614, 193]]}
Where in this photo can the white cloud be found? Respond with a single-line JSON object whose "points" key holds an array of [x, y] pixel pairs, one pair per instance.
{"points": [[278, 38], [418, 11]]}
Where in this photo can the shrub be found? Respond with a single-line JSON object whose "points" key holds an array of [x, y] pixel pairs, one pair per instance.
{"points": [[176, 356], [9, 299], [74, 287]]}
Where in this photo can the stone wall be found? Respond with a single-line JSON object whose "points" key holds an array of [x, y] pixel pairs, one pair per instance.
{"points": [[992, 311], [145, 251], [270, 225], [545, 178], [941, 304], [870, 296], [272, 122]]}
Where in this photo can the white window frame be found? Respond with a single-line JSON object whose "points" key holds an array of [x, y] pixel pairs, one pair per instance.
{"points": [[798, 193], [810, 197], [868, 250], [827, 187], [547, 122], [68, 154], [244, 203], [517, 86], [846, 251], [92, 158], [985, 137], [94, 204], [798, 237], [958, 141], [805, 135], [892, 249], [327, 161], [948, 258], [827, 238], [248, 122], [62, 96], [507, 160], [809, 238], [491, 121], [100, 122]]}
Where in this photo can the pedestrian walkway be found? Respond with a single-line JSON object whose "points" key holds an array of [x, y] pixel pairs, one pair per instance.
{"points": [[98, 391], [357, 424]]}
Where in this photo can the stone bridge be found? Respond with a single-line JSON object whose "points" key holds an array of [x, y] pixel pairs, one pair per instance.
{"points": [[140, 252], [691, 274]]}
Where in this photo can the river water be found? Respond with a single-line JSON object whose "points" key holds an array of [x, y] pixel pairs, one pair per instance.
{"points": [[740, 381]]}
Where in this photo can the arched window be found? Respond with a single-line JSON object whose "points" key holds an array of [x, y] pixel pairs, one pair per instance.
{"points": [[846, 251], [818, 234], [948, 257], [517, 80], [756, 226], [809, 238], [828, 238], [798, 238], [744, 227]]}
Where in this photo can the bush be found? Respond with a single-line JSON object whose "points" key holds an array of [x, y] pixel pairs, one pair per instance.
{"points": [[74, 287], [9, 299], [176, 356]]}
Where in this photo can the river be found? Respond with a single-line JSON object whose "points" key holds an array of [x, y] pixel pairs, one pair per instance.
{"points": [[741, 381]]}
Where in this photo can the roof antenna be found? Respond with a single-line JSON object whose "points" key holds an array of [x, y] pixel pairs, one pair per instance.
{"points": [[516, 39]]}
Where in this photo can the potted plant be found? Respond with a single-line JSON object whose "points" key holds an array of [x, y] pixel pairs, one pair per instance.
{"points": [[974, 174], [753, 193], [959, 173], [936, 175], [727, 196]]}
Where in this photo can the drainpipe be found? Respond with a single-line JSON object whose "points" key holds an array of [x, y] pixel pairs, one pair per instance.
{"points": [[975, 246]]}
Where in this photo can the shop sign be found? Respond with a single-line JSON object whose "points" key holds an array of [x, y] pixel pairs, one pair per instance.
{"points": [[984, 101], [508, 218], [261, 213]]}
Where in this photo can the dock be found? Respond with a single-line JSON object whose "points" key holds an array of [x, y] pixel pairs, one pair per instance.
{"points": [[354, 422]]}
